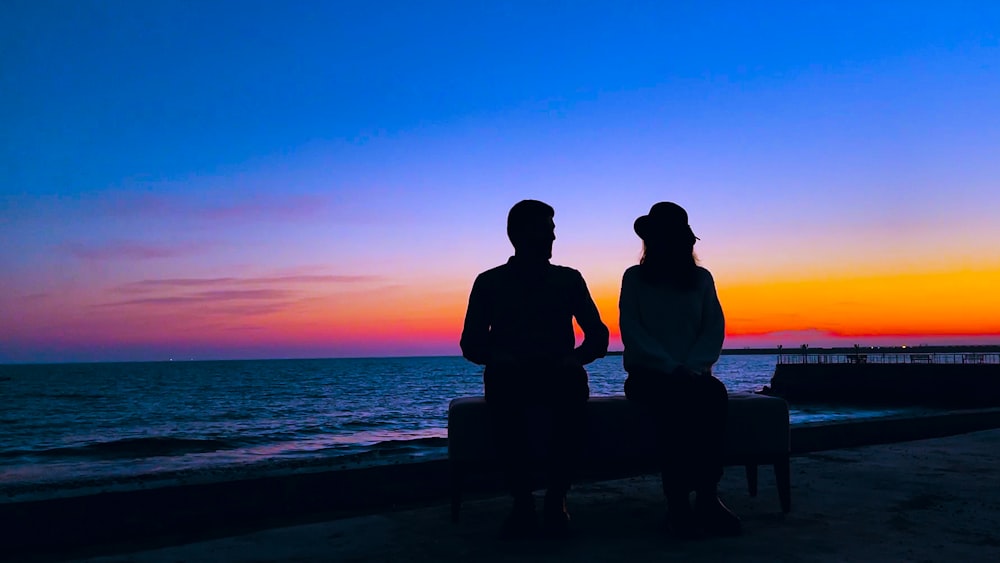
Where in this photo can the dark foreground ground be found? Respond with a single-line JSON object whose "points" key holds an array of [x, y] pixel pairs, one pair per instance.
{"points": [[928, 500]]}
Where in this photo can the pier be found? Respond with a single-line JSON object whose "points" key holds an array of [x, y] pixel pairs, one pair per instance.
{"points": [[911, 377], [866, 356]]}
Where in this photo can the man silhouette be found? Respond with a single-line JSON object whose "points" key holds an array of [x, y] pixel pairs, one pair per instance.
{"points": [[519, 324]]}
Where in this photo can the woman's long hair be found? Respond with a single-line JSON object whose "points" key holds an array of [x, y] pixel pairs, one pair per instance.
{"points": [[670, 262]]}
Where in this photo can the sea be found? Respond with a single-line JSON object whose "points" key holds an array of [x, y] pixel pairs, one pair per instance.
{"points": [[72, 426]]}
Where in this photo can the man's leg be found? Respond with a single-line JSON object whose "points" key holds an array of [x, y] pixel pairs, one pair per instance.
{"points": [[566, 401], [508, 417], [511, 434]]}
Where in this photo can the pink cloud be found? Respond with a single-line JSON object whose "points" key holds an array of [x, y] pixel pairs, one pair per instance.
{"points": [[248, 208], [230, 296], [209, 297], [285, 209], [130, 251], [176, 283]]}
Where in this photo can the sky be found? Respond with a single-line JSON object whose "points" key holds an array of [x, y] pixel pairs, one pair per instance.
{"points": [[246, 179]]}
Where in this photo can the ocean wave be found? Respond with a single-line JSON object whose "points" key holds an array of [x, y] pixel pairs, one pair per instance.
{"points": [[71, 395], [393, 451], [354, 424], [142, 418], [132, 448], [411, 444]]}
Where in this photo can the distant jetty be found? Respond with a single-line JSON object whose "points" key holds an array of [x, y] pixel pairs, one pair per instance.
{"points": [[873, 350], [955, 378]]}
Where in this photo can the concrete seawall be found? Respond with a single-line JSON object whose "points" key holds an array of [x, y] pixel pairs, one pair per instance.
{"points": [[193, 512], [945, 385]]}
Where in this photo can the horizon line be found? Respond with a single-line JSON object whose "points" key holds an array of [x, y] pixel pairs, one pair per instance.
{"points": [[746, 350]]}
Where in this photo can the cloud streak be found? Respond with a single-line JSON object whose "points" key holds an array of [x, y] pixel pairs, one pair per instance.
{"points": [[290, 209], [234, 298], [256, 208], [233, 304], [181, 283], [130, 251], [209, 297]]}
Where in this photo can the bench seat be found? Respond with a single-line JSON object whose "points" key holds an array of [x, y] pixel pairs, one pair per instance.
{"points": [[620, 436]]}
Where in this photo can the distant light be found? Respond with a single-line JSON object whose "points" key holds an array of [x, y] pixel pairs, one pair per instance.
{"points": [[904, 346]]}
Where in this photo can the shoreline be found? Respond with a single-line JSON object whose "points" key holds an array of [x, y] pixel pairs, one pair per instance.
{"points": [[392, 452], [925, 500], [211, 508], [209, 475]]}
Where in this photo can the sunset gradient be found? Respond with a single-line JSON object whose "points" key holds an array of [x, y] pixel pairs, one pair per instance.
{"points": [[257, 180]]}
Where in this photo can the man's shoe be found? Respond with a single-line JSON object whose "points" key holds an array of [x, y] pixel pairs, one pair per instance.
{"points": [[715, 518], [521, 522], [556, 517]]}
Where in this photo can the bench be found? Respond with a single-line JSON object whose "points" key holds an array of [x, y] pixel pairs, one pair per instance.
{"points": [[620, 438]]}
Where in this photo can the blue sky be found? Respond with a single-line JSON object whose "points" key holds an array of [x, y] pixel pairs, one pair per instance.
{"points": [[98, 91], [385, 141]]}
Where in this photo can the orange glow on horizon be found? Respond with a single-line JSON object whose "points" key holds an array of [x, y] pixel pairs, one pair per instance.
{"points": [[380, 320], [962, 302]]}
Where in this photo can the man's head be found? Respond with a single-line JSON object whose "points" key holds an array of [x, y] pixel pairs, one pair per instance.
{"points": [[531, 229]]}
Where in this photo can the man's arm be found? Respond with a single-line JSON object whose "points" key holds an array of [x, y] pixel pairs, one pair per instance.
{"points": [[595, 332], [475, 341]]}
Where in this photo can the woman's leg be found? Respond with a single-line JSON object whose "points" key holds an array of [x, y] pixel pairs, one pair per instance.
{"points": [[706, 455], [708, 414], [664, 398], [651, 389]]}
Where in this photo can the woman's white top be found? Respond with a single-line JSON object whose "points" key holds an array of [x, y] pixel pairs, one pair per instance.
{"points": [[663, 328]]}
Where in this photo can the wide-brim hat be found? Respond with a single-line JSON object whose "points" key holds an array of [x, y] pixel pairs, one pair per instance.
{"points": [[665, 219]]}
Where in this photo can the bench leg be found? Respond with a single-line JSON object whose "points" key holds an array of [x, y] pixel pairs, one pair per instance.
{"points": [[752, 478], [783, 476], [457, 481]]}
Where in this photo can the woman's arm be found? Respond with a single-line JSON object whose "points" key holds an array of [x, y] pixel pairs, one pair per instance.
{"points": [[708, 345]]}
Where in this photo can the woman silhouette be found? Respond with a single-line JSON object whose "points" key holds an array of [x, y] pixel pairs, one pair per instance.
{"points": [[672, 328]]}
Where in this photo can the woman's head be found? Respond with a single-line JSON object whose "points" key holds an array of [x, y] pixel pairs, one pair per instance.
{"points": [[667, 245], [666, 226]]}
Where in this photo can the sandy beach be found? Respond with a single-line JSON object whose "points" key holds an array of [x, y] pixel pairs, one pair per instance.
{"points": [[925, 500]]}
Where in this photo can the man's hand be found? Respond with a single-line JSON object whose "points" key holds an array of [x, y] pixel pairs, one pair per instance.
{"points": [[685, 372], [571, 361], [503, 359]]}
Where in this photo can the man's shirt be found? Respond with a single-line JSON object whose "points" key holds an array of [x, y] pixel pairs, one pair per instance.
{"points": [[524, 312]]}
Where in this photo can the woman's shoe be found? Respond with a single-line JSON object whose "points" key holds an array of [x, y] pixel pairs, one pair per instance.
{"points": [[681, 521], [716, 518], [555, 515], [521, 522]]}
